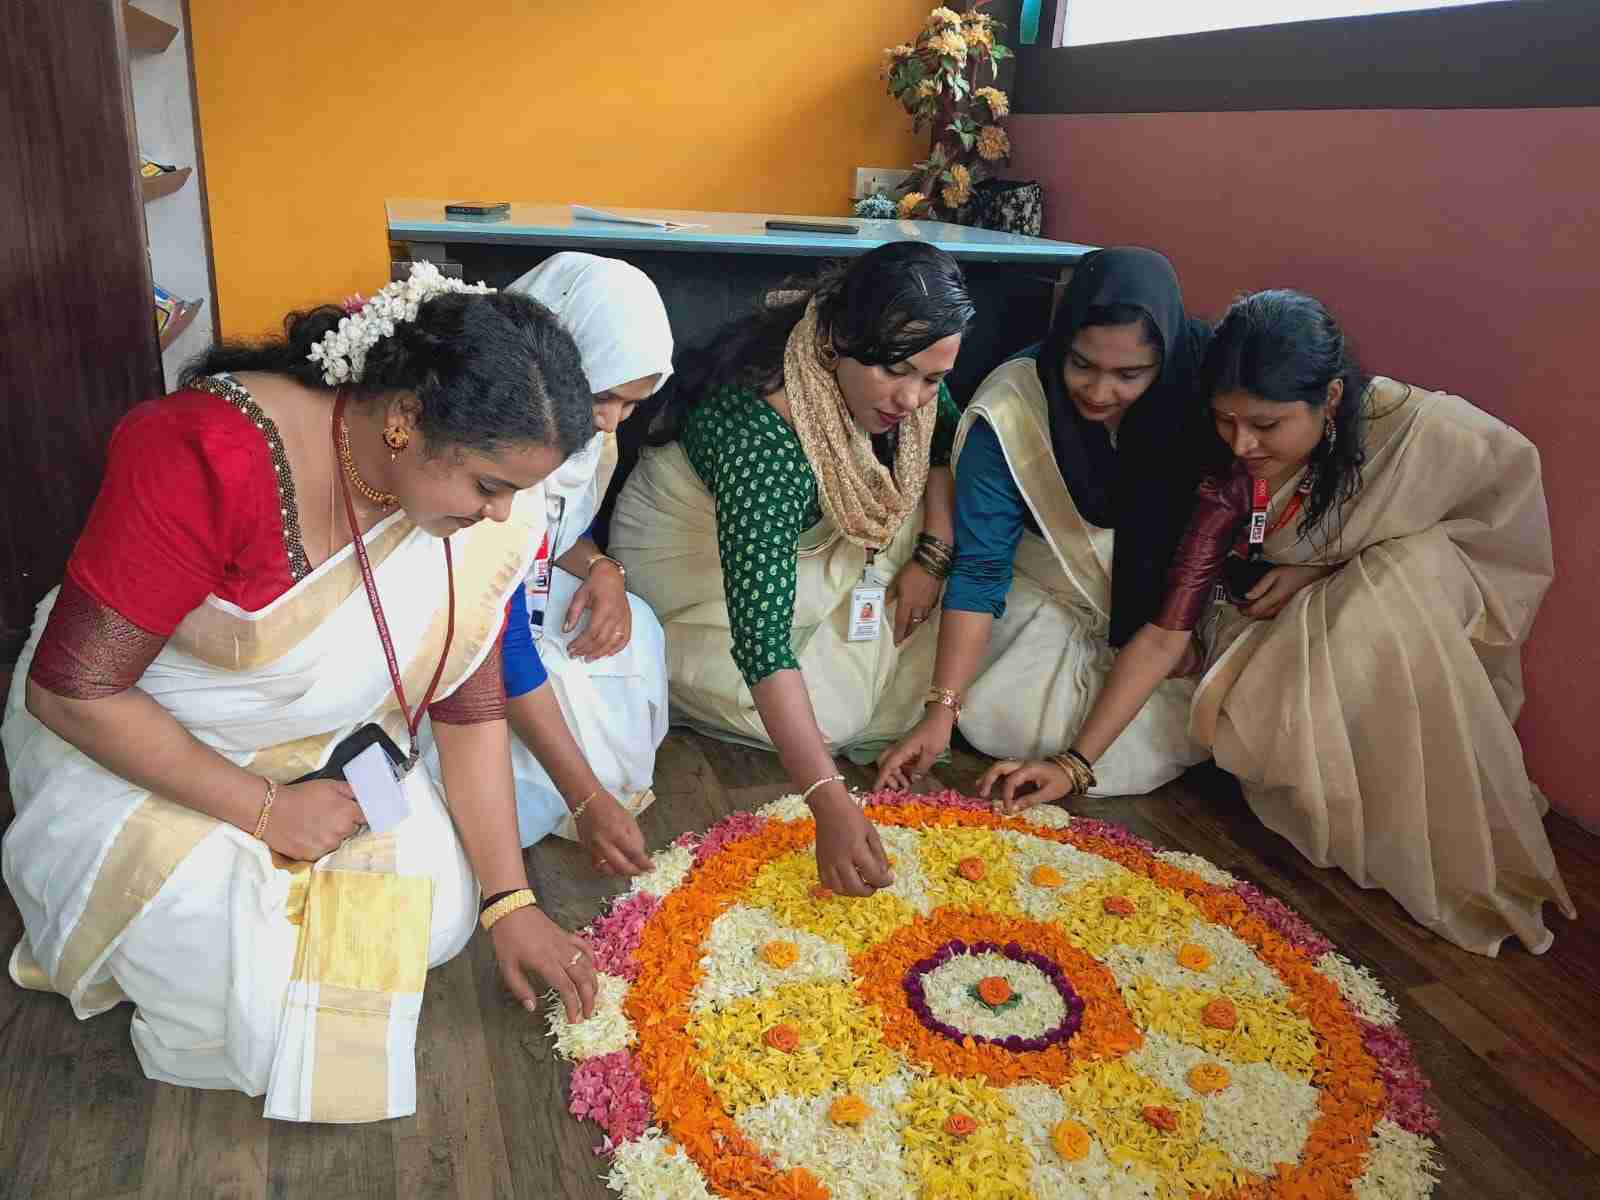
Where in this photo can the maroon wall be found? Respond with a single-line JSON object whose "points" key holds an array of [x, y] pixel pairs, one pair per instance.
{"points": [[1461, 251]]}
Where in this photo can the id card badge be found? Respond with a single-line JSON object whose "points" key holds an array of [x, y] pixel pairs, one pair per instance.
{"points": [[866, 612], [380, 794], [537, 586]]}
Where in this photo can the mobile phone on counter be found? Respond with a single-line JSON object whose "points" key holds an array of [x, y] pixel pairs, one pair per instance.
{"points": [[839, 227]]}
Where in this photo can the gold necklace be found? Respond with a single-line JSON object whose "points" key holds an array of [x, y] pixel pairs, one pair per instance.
{"points": [[373, 495]]}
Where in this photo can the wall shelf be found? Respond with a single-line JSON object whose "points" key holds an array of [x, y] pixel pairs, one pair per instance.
{"points": [[149, 34], [187, 311], [156, 186]]}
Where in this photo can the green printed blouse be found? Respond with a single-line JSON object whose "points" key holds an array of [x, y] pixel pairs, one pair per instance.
{"points": [[766, 497]]}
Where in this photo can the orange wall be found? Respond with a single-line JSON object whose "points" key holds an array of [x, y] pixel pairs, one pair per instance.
{"points": [[312, 115], [1459, 249]]}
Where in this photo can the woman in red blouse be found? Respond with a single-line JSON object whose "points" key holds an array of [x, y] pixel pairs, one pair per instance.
{"points": [[274, 563], [1361, 577]]}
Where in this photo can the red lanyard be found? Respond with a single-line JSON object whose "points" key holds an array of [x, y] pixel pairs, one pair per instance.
{"points": [[412, 719], [1251, 545]]}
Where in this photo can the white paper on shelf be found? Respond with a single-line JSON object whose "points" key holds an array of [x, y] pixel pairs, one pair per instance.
{"points": [[582, 212]]}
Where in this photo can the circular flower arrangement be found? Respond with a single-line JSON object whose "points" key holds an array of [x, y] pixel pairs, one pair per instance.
{"points": [[1040, 1006]]}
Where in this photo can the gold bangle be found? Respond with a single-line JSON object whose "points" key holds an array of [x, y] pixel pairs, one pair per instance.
{"points": [[584, 803], [266, 812], [1078, 771], [945, 696], [594, 558], [521, 898]]}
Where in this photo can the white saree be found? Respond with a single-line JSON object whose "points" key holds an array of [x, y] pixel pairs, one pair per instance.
{"points": [[864, 694], [302, 981], [1048, 655], [1370, 722]]}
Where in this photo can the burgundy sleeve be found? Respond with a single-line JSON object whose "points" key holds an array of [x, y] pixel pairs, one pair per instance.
{"points": [[482, 697], [1220, 506], [90, 650]]}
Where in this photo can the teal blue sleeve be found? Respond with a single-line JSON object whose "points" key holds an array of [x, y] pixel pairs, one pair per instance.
{"points": [[990, 518]]}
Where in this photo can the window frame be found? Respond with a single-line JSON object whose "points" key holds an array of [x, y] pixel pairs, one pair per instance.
{"points": [[1500, 54]]}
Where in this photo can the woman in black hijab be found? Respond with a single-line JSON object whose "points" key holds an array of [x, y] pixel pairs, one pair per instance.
{"points": [[1093, 438]]}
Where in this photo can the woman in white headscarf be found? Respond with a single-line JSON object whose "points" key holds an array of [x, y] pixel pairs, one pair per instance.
{"points": [[585, 662]]}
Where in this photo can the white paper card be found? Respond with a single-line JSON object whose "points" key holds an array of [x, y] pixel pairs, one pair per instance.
{"points": [[866, 613], [378, 792]]}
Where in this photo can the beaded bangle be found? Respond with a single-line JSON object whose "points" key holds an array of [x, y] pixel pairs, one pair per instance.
{"points": [[505, 906], [266, 812], [823, 782]]}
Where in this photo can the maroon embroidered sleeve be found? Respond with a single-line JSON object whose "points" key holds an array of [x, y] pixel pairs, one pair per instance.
{"points": [[481, 698], [89, 650], [1221, 505]]}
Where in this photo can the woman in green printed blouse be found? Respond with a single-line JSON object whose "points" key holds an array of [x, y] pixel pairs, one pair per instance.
{"points": [[794, 536]]}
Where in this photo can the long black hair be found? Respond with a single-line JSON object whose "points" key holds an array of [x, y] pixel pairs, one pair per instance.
{"points": [[1285, 346], [882, 308], [488, 371]]}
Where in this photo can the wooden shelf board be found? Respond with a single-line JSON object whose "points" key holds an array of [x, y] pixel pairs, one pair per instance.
{"points": [[147, 33], [181, 320], [156, 186]]}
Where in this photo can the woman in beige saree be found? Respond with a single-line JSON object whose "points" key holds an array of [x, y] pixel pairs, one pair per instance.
{"points": [[807, 489], [1369, 715], [218, 636]]}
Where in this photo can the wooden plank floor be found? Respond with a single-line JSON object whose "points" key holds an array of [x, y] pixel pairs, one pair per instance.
{"points": [[1512, 1045]]}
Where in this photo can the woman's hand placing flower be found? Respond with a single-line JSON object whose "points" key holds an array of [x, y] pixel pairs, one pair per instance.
{"points": [[1014, 785]]}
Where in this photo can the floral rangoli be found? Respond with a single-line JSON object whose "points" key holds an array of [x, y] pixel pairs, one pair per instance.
{"points": [[1040, 1006]]}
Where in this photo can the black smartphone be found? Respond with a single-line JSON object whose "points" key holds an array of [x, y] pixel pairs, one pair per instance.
{"points": [[477, 208], [367, 735], [812, 227], [1239, 575]]}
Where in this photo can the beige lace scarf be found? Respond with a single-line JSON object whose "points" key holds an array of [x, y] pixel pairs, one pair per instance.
{"points": [[865, 500]]}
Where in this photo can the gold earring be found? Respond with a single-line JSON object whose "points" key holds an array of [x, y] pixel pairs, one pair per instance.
{"points": [[397, 438], [827, 355]]}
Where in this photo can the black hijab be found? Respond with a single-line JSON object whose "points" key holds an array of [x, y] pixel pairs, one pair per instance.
{"points": [[1144, 487]]}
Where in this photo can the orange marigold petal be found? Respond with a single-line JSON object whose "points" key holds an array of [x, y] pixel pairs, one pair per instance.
{"points": [[1046, 876], [849, 1110], [1195, 958], [1071, 1140], [959, 1125], [994, 989], [780, 954], [1118, 906], [1207, 1078], [972, 869], [1220, 1014], [782, 1037], [1160, 1117], [821, 891]]}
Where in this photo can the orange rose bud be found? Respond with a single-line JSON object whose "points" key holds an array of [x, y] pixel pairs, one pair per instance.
{"points": [[782, 1037], [972, 868], [1160, 1117], [994, 989], [849, 1110], [1207, 1078], [1118, 906], [1196, 958], [1071, 1140], [1046, 876], [1220, 1014], [959, 1125], [780, 954]]}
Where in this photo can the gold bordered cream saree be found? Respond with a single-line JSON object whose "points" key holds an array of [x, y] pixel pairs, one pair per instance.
{"points": [[1048, 655], [302, 981], [865, 694], [1370, 722]]}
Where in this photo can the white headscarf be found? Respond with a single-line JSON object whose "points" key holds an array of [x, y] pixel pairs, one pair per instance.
{"points": [[612, 311], [615, 314]]}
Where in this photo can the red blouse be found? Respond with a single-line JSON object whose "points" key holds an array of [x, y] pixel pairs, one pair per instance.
{"points": [[1222, 508], [197, 500]]}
